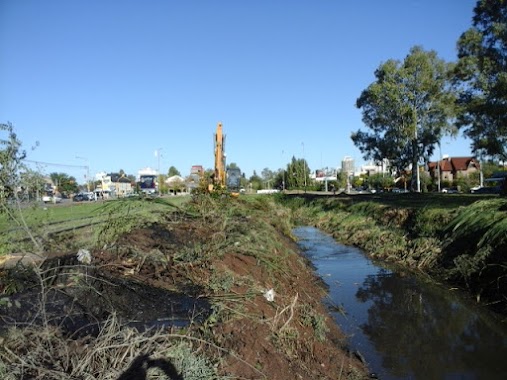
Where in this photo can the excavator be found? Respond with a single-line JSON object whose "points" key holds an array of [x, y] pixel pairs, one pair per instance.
{"points": [[224, 178]]}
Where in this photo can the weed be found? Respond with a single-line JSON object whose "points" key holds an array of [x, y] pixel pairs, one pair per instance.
{"points": [[17, 279], [287, 341], [192, 254], [45, 353], [311, 318], [221, 281], [190, 366]]}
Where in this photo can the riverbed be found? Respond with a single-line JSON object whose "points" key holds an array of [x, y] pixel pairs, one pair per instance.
{"points": [[405, 326]]}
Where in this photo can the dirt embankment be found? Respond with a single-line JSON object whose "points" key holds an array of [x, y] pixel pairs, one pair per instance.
{"points": [[225, 280]]}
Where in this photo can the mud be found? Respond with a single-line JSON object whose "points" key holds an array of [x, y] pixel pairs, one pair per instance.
{"points": [[150, 277]]}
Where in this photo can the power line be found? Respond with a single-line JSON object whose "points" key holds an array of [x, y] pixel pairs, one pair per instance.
{"points": [[53, 164]]}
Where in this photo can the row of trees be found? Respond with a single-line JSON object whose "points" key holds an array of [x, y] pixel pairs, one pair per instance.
{"points": [[412, 104]]}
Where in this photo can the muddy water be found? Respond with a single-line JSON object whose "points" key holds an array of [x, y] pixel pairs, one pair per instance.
{"points": [[403, 326]]}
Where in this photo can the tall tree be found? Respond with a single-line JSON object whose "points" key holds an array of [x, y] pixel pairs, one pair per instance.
{"points": [[11, 162], [268, 177], [32, 183], [481, 72], [173, 171], [407, 109], [297, 174], [267, 174], [255, 181], [64, 183]]}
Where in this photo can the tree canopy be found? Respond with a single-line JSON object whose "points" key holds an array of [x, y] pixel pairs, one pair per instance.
{"points": [[481, 74], [64, 183], [407, 110], [173, 171], [297, 174], [11, 161]]}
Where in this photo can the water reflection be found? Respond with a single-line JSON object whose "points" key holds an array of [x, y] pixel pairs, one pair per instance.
{"points": [[406, 328], [421, 332]]}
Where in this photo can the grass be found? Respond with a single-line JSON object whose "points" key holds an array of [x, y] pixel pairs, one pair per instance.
{"points": [[52, 214], [403, 200], [45, 221]]}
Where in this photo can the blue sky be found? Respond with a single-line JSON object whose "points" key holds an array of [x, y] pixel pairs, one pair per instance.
{"points": [[114, 81]]}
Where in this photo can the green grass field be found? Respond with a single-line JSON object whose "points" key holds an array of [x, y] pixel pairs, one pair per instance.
{"points": [[406, 200], [43, 220]]}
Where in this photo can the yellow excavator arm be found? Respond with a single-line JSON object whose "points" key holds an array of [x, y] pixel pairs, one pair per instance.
{"points": [[219, 157]]}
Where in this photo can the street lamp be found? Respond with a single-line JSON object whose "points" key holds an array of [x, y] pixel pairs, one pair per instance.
{"points": [[158, 168], [304, 165], [283, 173]]}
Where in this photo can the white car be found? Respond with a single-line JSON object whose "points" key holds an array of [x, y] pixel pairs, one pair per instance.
{"points": [[51, 199]]}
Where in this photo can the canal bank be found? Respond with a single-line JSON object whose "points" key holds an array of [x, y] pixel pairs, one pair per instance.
{"points": [[404, 326], [456, 240], [265, 319]]}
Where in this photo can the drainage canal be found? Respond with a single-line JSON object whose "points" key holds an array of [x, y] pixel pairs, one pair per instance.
{"points": [[403, 326]]}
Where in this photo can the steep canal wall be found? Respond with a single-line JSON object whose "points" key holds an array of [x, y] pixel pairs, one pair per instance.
{"points": [[463, 245], [404, 326]]}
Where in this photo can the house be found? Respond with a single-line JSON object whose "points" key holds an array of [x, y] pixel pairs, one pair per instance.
{"points": [[193, 180], [452, 167], [176, 184], [122, 184]]}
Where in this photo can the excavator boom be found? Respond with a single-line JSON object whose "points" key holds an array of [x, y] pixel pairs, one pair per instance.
{"points": [[219, 157]]}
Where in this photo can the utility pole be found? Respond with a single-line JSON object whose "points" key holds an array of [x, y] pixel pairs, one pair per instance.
{"points": [[283, 175], [158, 169], [416, 151], [438, 166], [304, 165], [87, 172]]}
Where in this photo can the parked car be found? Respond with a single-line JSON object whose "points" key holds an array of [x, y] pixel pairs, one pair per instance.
{"points": [[51, 199], [81, 197], [486, 190], [450, 190]]}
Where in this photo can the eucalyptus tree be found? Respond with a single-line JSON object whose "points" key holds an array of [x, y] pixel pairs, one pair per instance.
{"points": [[173, 171], [268, 177], [407, 109], [255, 181], [64, 183], [481, 72]]}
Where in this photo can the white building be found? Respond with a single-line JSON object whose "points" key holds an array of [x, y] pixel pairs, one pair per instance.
{"points": [[375, 168], [348, 165]]}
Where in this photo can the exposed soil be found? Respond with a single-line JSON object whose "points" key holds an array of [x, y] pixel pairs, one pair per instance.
{"points": [[167, 272]]}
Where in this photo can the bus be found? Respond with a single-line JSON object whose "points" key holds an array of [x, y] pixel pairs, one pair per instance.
{"points": [[148, 183]]}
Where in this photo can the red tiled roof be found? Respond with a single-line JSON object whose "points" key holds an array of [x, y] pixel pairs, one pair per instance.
{"points": [[454, 164]]}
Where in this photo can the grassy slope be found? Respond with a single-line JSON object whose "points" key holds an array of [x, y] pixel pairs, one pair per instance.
{"points": [[294, 326]]}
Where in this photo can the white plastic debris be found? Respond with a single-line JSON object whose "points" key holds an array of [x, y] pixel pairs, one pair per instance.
{"points": [[84, 256], [269, 295]]}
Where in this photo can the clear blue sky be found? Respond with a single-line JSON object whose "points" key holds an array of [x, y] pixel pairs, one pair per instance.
{"points": [[113, 81]]}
